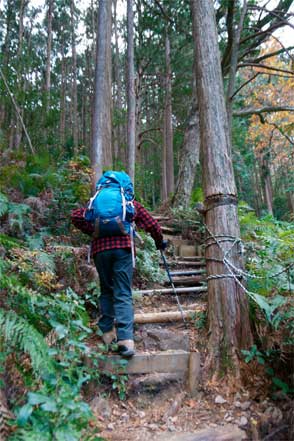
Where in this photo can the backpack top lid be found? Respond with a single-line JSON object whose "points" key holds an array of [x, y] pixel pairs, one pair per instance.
{"points": [[117, 177]]}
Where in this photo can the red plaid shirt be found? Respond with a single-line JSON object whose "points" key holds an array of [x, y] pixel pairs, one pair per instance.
{"points": [[142, 220]]}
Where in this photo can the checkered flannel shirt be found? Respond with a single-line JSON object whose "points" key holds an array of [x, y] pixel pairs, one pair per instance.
{"points": [[142, 220]]}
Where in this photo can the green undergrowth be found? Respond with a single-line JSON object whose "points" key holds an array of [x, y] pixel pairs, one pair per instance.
{"points": [[148, 260], [45, 323], [269, 251]]}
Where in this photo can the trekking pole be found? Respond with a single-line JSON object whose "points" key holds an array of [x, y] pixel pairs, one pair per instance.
{"points": [[173, 286]]}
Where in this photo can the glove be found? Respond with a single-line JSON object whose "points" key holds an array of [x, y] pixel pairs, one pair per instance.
{"points": [[163, 245]]}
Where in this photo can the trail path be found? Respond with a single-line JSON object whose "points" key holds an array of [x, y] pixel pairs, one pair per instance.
{"points": [[166, 400]]}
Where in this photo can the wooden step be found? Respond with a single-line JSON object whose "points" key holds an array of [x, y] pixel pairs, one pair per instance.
{"points": [[193, 258], [187, 363], [148, 292], [188, 273], [169, 230], [168, 316], [188, 281], [160, 218], [190, 263]]}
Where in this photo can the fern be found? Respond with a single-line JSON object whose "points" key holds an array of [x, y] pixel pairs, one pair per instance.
{"points": [[25, 435], [17, 332], [8, 242], [3, 204], [18, 215]]}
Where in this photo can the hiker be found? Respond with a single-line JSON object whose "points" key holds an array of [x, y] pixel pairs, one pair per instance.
{"points": [[112, 255]]}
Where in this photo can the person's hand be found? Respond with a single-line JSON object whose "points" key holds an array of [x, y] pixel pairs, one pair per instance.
{"points": [[162, 245]]}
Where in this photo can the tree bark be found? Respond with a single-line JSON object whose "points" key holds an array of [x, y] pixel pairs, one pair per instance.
{"points": [[267, 181], [229, 327], [189, 154], [131, 93], [6, 57], [17, 126], [168, 121], [18, 114], [49, 49], [62, 95], [101, 127], [74, 97], [118, 141], [236, 35], [164, 193]]}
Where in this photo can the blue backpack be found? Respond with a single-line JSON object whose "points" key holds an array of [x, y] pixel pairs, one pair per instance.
{"points": [[111, 209]]}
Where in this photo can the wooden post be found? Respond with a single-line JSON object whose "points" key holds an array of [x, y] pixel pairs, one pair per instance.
{"points": [[193, 372]]}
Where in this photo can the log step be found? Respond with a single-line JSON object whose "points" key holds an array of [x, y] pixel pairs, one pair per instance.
{"points": [[188, 281], [186, 263], [192, 289], [168, 316], [193, 258], [160, 218], [187, 273], [169, 230]]}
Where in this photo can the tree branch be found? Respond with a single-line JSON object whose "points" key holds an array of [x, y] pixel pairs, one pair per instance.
{"points": [[273, 54], [266, 109], [167, 17], [146, 140], [263, 66], [280, 130], [149, 130], [245, 84], [274, 14]]}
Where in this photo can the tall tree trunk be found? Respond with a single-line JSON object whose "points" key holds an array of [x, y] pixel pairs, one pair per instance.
{"points": [[89, 97], [50, 4], [75, 123], [138, 100], [62, 96], [189, 160], [49, 50], [236, 35], [290, 200], [266, 180], [189, 152], [101, 127], [258, 191], [229, 326], [18, 125], [164, 193], [6, 57], [119, 153], [131, 93], [168, 121]]}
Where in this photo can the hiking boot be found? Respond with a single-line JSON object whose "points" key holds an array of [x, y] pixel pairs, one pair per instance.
{"points": [[109, 337], [126, 348]]}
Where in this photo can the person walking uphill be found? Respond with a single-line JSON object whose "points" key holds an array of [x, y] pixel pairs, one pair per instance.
{"points": [[111, 248]]}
